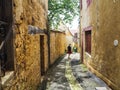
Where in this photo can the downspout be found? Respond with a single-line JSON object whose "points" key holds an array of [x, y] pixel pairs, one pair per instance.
{"points": [[81, 34], [48, 34], [82, 47], [48, 42]]}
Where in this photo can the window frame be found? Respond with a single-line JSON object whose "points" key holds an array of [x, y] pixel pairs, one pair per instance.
{"points": [[88, 41]]}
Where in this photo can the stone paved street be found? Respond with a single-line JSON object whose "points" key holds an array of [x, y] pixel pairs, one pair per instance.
{"points": [[70, 74]]}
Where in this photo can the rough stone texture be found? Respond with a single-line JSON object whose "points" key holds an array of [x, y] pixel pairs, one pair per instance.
{"points": [[104, 16], [69, 37], [57, 45], [27, 47]]}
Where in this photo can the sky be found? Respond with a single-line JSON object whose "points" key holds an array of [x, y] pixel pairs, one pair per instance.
{"points": [[75, 23]]}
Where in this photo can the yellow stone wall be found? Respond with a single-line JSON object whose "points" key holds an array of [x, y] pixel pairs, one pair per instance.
{"points": [[104, 17], [57, 45], [27, 47]]}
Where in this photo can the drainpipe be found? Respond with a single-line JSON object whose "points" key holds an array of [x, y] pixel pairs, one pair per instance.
{"points": [[48, 42], [81, 34], [82, 47], [49, 64]]}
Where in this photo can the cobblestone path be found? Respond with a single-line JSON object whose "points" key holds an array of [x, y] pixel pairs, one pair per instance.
{"points": [[70, 74]]}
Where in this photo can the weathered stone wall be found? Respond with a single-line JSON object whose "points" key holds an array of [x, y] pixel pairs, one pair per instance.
{"points": [[27, 47], [104, 16], [57, 45]]}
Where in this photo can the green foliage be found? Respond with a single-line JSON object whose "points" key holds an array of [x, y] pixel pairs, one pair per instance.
{"points": [[62, 10]]}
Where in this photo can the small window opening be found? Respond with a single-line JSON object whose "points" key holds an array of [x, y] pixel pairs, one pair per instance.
{"points": [[88, 41]]}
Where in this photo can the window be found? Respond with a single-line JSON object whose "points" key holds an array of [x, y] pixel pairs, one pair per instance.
{"points": [[88, 41], [6, 40]]}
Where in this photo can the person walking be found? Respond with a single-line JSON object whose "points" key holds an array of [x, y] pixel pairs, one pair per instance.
{"points": [[69, 50]]}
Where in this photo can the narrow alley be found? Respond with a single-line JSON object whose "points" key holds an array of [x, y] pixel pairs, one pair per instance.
{"points": [[38, 36], [70, 74]]}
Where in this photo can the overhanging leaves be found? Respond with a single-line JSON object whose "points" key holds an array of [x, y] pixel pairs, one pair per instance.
{"points": [[62, 10]]}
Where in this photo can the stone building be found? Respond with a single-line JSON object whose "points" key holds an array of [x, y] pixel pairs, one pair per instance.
{"points": [[69, 37], [57, 45], [100, 27], [25, 44], [25, 52]]}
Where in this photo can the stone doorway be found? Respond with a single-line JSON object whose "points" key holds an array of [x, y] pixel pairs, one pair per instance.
{"points": [[42, 55]]}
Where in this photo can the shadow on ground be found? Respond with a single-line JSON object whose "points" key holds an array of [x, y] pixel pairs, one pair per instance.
{"points": [[55, 78]]}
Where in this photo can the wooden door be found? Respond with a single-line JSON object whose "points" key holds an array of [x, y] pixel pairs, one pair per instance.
{"points": [[42, 55], [88, 41]]}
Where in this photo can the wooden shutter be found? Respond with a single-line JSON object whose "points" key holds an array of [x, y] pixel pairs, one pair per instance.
{"points": [[88, 41]]}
